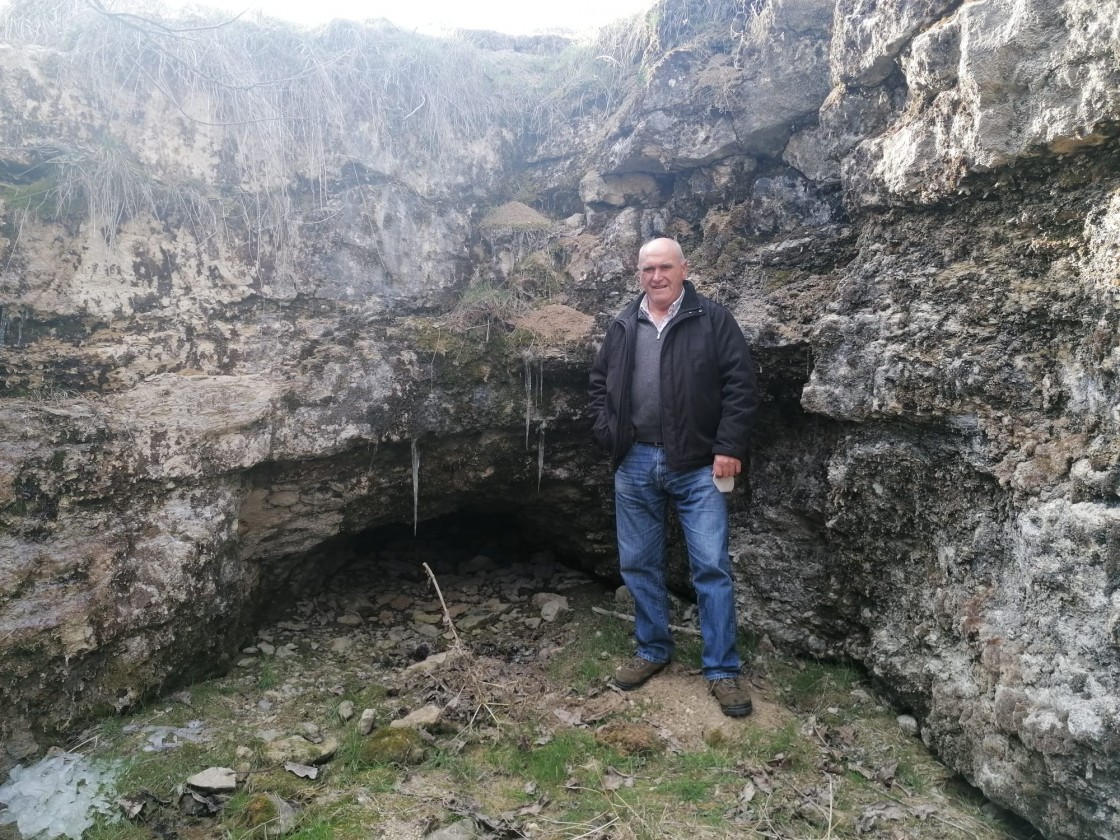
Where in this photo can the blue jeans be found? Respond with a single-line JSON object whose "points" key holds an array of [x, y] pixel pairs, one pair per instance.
{"points": [[642, 486]]}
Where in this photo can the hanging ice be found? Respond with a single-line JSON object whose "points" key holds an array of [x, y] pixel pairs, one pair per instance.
{"points": [[540, 455], [528, 397], [60, 795], [415, 486]]}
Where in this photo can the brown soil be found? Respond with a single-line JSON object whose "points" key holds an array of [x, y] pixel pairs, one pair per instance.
{"points": [[677, 702], [556, 323]]}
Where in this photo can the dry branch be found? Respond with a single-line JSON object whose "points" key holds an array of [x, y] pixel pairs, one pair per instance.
{"points": [[674, 627]]}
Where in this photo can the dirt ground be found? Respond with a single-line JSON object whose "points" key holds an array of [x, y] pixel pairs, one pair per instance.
{"points": [[518, 733]]}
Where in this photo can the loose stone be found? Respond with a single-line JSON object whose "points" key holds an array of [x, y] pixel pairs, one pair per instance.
{"points": [[550, 604], [426, 716], [342, 644], [908, 724], [214, 780], [300, 750], [462, 830]]}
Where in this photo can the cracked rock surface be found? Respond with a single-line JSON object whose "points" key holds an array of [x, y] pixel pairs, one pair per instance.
{"points": [[910, 206]]}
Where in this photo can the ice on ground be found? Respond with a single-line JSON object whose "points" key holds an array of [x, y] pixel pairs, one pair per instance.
{"points": [[170, 737], [60, 795]]}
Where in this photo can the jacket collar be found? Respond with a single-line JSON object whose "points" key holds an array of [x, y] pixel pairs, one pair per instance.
{"points": [[691, 301]]}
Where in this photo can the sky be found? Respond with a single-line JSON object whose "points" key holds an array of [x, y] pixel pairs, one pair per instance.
{"points": [[518, 18]]}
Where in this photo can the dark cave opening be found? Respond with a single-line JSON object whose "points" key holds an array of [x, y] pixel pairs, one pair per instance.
{"points": [[490, 573], [449, 541]]}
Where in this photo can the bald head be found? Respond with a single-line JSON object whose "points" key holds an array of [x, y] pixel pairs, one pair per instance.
{"points": [[664, 245]]}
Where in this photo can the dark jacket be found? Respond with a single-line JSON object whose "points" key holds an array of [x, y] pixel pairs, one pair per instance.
{"points": [[708, 391]]}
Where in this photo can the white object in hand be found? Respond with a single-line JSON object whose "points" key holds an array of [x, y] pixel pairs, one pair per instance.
{"points": [[725, 484]]}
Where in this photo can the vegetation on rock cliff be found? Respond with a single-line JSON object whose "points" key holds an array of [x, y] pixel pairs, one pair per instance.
{"points": [[266, 109]]}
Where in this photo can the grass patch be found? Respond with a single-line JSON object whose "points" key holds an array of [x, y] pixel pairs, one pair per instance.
{"points": [[688, 651], [694, 778], [811, 748], [163, 771], [485, 304], [282, 783], [318, 829], [786, 746], [460, 768], [592, 651], [267, 678], [818, 685], [103, 829], [570, 754]]}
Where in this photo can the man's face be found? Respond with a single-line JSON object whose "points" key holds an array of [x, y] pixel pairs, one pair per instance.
{"points": [[662, 271]]}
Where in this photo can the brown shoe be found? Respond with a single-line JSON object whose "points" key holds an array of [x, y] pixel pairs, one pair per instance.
{"points": [[630, 675], [733, 699]]}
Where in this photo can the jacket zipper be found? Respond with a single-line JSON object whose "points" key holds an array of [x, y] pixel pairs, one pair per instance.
{"points": [[681, 316]]}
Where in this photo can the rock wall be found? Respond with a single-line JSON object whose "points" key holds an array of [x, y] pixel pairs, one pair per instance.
{"points": [[911, 206]]}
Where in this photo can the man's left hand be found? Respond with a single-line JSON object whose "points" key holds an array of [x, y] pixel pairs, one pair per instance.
{"points": [[725, 466]]}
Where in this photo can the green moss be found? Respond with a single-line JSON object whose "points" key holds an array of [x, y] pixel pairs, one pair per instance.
{"points": [[370, 696], [630, 738], [31, 653], [259, 810], [779, 277], [391, 746], [458, 356], [282, 783]]}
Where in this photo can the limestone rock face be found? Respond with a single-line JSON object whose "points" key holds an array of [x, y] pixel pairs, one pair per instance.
{"points": [[869, 36], [215, 380], [986, 83], [910, 206], [702, 106]]}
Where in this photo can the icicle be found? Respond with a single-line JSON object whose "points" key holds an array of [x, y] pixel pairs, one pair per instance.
{"points": [[415, 486], [540, 455], [528, 398]]}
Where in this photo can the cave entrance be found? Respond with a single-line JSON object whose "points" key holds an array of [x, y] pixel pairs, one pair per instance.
{"points": [[502, 582]]}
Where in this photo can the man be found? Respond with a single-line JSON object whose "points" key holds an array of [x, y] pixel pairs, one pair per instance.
{"points": [[673, 396]]}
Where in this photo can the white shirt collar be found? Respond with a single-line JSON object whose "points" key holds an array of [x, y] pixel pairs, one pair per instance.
{"points": [[674, 308]]}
